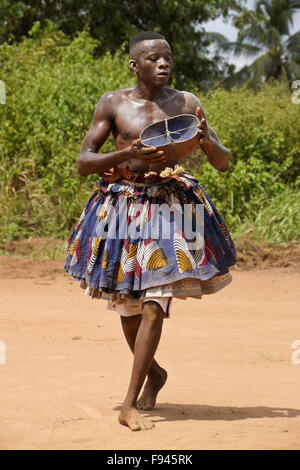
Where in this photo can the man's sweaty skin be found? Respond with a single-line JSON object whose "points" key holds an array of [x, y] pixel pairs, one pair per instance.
{"points": [[125, 113]]}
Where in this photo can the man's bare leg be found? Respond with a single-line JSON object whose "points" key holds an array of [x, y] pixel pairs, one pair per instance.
{"points": [[157, 376], [145, 346]]}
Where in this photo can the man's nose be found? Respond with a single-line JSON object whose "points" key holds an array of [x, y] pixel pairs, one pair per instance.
{"points": [[162, 62]]}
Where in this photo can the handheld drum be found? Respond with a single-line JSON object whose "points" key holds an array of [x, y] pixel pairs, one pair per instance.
{"points": [[177, 136]]}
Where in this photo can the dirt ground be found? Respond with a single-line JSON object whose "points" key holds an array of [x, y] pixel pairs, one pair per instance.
{"points": [[232, 382]]}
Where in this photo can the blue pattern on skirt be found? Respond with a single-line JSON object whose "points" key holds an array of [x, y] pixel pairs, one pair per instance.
{"points": [[132, 264]]}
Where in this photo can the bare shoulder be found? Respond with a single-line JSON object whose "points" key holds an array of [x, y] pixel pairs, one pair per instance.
{"points": [[175, 94], [191, 104], [191, 101], [109, 101]]}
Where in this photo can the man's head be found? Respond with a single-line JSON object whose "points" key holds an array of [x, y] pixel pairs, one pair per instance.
{"points": [[136, 42], [150, 56]]}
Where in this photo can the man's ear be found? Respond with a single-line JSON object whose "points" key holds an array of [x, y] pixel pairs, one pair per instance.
{"points": [[132, 64]]}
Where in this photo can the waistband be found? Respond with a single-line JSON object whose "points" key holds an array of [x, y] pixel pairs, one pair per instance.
{"points": [[139, 185], [152, 177]]}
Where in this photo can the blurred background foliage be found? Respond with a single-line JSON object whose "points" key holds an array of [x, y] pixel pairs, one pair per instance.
{"points": [[112, 23], [54, 78], [266, 37]]}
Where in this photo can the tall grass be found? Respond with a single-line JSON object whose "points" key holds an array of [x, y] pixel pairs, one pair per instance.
{"points": [[277, 222]]}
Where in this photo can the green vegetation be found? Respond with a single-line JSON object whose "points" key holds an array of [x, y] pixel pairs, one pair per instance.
{"points": [[268, 34], [113, 22], [53, 84], [260, 194]]}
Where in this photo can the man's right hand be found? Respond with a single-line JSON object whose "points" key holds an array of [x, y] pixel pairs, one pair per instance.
{"points": [[147, 154]]}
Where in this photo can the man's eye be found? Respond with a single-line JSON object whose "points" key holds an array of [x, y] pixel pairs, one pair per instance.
{"points": [[154, 59]]}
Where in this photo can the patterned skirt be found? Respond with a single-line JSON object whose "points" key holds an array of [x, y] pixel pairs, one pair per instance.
{"points": [[127, 246]]}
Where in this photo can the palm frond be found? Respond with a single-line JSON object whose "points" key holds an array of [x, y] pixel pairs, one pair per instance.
{"points": [[237, 79], [279, 13], [254, 33], [283, 22], [224, 45], [293, 70], [215, 37], [293, 46], [268, 32], [255, 74], [261, 69], [239, 48], [219, 41]]}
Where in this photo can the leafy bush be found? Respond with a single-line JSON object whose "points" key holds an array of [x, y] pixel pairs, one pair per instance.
{"points": [[253, 199], [240, 192], [53, 84], [262, 125]]}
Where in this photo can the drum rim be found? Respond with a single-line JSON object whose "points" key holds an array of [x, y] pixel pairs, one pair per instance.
{"points": [[166, 121]]}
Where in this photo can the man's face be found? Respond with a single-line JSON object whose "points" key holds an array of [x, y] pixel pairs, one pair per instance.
{"points": [[153, 62]]}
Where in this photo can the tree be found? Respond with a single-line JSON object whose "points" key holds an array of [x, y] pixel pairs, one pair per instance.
{"points": [[112, 22], [269, 34]]}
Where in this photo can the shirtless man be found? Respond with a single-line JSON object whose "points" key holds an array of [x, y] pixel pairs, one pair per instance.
{"points": [[125, 113]]}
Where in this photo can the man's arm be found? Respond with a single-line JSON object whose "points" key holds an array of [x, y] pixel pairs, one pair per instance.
{"points": [[89, 161], [217, 154]]}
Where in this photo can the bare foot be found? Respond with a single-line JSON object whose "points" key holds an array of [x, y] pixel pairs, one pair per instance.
{"points": [[156, 380], [131, 417]]}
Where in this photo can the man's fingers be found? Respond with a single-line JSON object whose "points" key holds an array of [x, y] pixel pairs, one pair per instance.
{"points": [[200, 115], [155, 153], [136, 143], [157, 157], [199, 112], [158, 160], [149, 149], [202, 124]]}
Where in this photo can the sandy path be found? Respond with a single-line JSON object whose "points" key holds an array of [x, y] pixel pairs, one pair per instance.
{"points": [[232, 384]]}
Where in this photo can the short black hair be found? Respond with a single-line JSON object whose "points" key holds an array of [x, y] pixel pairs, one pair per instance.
{"points": [[144, 36]]}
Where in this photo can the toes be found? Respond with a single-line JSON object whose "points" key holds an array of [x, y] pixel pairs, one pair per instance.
{"points": [[134, 426], [143, 425], [147, 425], [135, 422]]}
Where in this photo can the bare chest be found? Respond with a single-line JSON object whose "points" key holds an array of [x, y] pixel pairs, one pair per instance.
{"points": [[132, 118]]}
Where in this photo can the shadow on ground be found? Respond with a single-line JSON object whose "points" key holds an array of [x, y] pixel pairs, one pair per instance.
{"points": [[182, 412]]}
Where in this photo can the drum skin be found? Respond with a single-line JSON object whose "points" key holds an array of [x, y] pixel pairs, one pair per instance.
{"points": [[177, 136]]}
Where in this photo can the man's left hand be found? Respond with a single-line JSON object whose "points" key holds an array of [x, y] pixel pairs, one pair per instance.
{"points": [[203, 127]]}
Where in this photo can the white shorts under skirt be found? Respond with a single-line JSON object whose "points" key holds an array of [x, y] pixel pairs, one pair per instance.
{"points": [[128, 310]]}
